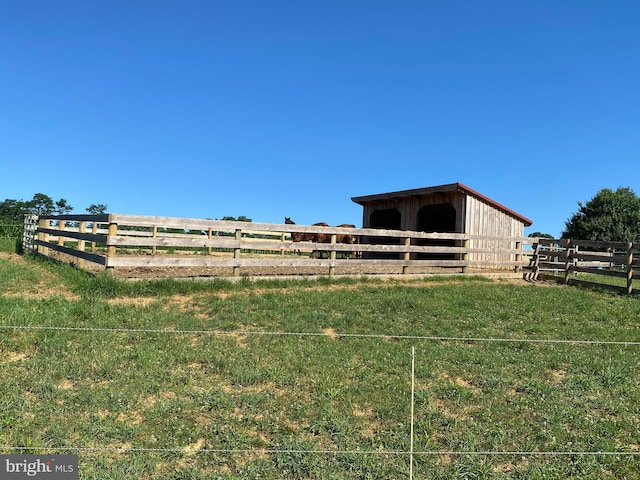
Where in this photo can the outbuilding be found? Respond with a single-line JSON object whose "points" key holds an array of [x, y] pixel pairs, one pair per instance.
{"points": [[450, 208]]}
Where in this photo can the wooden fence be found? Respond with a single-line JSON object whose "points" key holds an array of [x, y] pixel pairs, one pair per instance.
{"points": [[610, 265], [139, 246]]}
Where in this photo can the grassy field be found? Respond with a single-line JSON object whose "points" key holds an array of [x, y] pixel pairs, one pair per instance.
{"points": [[270, 380]]}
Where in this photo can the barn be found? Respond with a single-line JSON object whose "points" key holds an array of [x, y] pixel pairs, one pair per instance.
{"points": [[450, 208]]}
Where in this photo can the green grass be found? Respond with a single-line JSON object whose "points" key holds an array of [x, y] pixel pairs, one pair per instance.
{"points": [[270, 406]]}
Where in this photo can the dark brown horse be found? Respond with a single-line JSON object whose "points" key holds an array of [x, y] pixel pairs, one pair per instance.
{"points": [[323, 237], [305, 237]]}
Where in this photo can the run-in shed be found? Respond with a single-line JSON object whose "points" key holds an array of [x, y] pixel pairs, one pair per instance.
{"points": [[447, 208], [444, 208]]}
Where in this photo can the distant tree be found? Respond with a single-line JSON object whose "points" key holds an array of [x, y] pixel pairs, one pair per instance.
{"points": [[97, 208], [62, 207], [241, 218], [13, 209], [539, 235], [41, 204], [608, 216]]}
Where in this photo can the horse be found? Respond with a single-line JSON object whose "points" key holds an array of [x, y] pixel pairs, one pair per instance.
{"points": [[323, 237], [347, 238], [305, 237]]}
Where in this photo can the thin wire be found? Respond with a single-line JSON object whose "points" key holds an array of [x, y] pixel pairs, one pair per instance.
{"points": [[325, 452], [321, 334]]}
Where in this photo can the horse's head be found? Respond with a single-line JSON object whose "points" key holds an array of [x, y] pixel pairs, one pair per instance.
{"points": [[288, 221]]}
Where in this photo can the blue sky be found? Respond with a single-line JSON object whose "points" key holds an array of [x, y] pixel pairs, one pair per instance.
{"points": [[205, 108]]}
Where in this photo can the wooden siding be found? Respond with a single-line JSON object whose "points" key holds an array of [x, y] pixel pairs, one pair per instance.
{"points": [[483, 219]]}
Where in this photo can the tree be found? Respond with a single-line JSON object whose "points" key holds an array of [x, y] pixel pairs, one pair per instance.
{"points": [[13, 209], [41, 204], [241, 218], [609, 216], [540, 235], [62, 207], [97, 208]]}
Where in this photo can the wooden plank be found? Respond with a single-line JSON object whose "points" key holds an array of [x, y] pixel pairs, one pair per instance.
{"points": [[89, 237], [593, 271], [102, 218], [599, 257], [600, 244], [90, 257]]}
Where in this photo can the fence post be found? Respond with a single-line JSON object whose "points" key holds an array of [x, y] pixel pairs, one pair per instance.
{"points": [[111, 249], [407, 254], [536, 260], [567, 260], [210, 237], [236, 254], [466, 243], [629, 268], [82, 228], [94, 230], [154, 235], [332, 256], [61, 226], [519, 256]]}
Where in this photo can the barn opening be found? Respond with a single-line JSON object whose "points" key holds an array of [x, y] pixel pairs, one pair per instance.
{"points": [[437, 218], [389, 219]]}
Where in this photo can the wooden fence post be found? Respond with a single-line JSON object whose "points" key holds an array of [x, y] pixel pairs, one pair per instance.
{"points": [[536, 260], [567, 260], [236, 254], [154, 235], [43, 237], [94, 230], [629, 268], [519, 256], [466, 243], [82, 228], [111, 249], [61, 226], [407, 254], [332, 256]]}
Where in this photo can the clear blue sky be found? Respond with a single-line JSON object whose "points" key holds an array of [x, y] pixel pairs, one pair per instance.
{"points": [[206, 108]]}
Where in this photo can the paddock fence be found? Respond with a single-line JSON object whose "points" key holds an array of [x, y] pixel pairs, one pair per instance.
{"points": [[134, 245], [608, 265]]}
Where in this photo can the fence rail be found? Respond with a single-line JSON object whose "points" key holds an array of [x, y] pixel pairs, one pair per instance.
{"points": [[609, 265], [230, 248]]}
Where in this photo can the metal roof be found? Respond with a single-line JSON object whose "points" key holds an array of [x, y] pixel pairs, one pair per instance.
{"points": [[450, 187]]}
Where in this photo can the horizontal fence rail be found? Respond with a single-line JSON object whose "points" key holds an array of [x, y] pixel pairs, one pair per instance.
{"points": [[119, 242], [609, 265]]}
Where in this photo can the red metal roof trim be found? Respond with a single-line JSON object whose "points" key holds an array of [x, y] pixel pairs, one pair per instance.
{"points": [[471, 191]]}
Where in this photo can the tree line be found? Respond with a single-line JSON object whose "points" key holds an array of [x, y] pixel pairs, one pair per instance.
{"points": [[41, 204]]}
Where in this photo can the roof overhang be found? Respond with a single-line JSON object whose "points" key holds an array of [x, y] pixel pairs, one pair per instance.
{"points": [[450, 187]]}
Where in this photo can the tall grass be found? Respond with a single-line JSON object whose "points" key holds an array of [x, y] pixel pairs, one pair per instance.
{"points": [[312, 379]]}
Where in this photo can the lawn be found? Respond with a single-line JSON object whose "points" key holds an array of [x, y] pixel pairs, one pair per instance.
{"points": [[312, 379]]}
